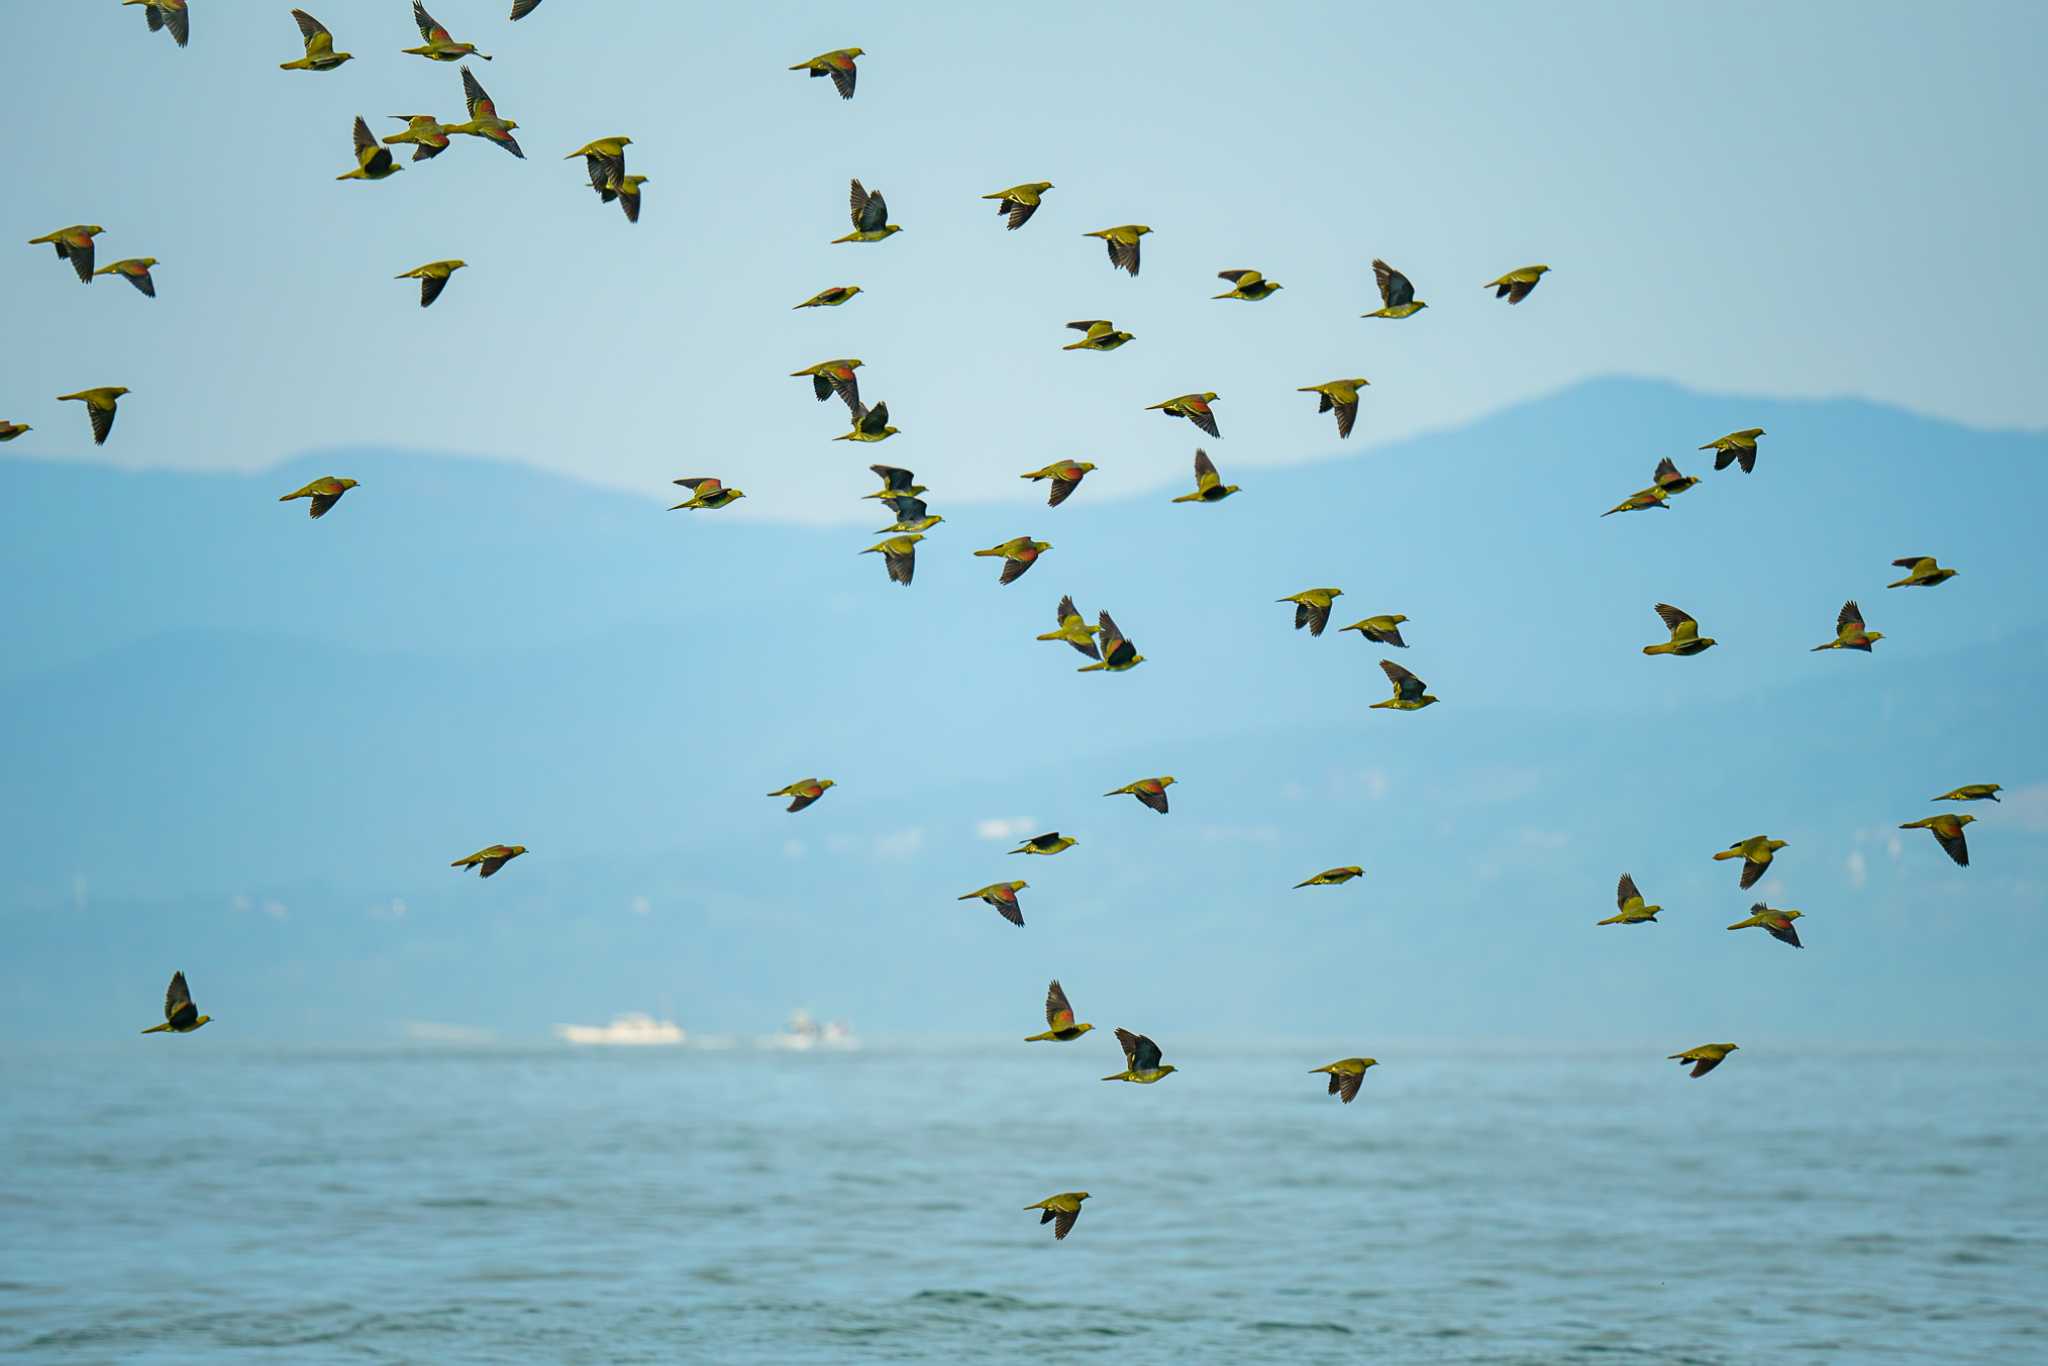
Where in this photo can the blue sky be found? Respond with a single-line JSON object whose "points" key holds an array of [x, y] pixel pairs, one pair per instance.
{"points": [[1818, 199]]}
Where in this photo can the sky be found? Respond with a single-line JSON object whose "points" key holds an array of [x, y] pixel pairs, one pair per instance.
{"points": [[1810, 200]]}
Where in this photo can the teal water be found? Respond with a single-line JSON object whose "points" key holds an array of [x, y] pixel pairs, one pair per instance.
{"points": [[195, 1199]]}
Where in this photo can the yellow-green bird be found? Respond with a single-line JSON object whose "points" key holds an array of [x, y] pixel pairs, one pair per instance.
{"points": [[1346, 1076], [1735, 447], [1065, 477], [1973, 792], [171, 14], [433, 278], [1019, 202], [1685, 634], [1410, 692], [1048, 844], [1002, 896], [1312, 607], [73, 244], [1332, 877], [1850, 633], [896, 483], [1194, 407], [1209, 485], [1921, 572], [911, 515], [1397, 295], [323, 494], [1060, 1026], [1341, 395], [180, 1015], [1380, 630], [1248, 285], [869, 424], [830, 298], [899, 556], [99, 406], [1122, 242], [1060, 1211], [489, 859], [135, 271], [1141, 1060], [1947, 829], [870, 216], [484, 121], [1516, 284], [320, 53], [603, 159], [1018, 554], [10, 430], [1778, 923], [1100, 334], [373, 160], [1642, 500], [1705, 1058], [522, 8], [706, 493], [1074, 629], [1669, 483], [425, 132], [1150, 791], [829, 377], [1756, 854], [1118, 654], [626, 189], [1631, 909], [436, 45], [839, 65], [1670, 480], [804, 791]]}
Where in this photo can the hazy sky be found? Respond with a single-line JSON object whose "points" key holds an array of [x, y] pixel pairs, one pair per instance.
{"points": [[1789, 200]]}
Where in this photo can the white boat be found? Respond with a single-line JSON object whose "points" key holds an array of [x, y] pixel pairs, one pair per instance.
{"points": [[802, 1034], [633, 1029]]}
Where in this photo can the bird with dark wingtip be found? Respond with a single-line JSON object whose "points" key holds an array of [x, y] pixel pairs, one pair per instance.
{"points": [[1118, 654], [1756, 854], [1947, 829], [804, 791], [1850, 632], [1122, 243], [1685, 639], [1002, 896], [1149, 791], [1777, 923], [1019, 202], [1060, 1025], [1704, 1058], [320, 53], [489, 859], [1312, 607], [1346, 1076], [180, 1015], [1060, 1211], [1410, 692], [838, 64], [1209, 485], [1194, 407], [1141, 1060], [1735, 448], [870, 213], [1630, 908]]}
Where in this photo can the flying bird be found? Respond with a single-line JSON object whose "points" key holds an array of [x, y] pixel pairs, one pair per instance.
{"points": [[320, 53], [1669, 483], [838, 64], [870, 216], [1974, 792], [1410, 692], [425, 132], [433, 278], [10, 430], [1209, 485], [1150, 791], [323, 494], [73, 244], [1019, 202], [1849, 631], [1248, 285], [1685, 634], [910, 516], [1002, 896], [1060, 1211], [1059, 1019], [1048, 844], [373, 160], [899, 557], [829, 377], [1778, 923], [180, 1015], [1065, 477], [483, 117], [1947, 829], [830, 298], [135, 271], [1100, 335], [1921, 572], [1122, 243], [896, 483], [174, 15], [1340, 394], [1074, 630], [804, 791], [1141, 1060], [1380, 630], [1312, 607], [603, 159], [522, 8], [1516, 284], [626, 189], [869, 424], [489, 859], [1631, 909], [1397, 295], [1193, 407], [1756, 854], [99, 406], [1346, 1076], [1736, 446], [437, 45], [1118, 655], [1705, 1058], [1332, 877], [706, 493], [1018, 553]]}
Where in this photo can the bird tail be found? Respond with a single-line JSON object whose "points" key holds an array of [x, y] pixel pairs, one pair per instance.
{"points": [[1191, 498], [287, 497], [995, 551], [1727, 853], [1089, 669], [158, 1029], [1297, 887], [1390, 702], [1902, 583], [1075, 346], [1039, 1038], [1818, 648], [1120, 1076], [1663, 649]]}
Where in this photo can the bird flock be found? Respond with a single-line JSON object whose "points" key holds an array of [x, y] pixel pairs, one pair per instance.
{"points": [[1104, 644]]}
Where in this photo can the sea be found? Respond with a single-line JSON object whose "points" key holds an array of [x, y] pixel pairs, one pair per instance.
{"points": [[201, 1200]]}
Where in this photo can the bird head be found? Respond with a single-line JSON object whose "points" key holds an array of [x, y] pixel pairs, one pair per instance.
{"points": [[1873, 635], [1539, 270], [852, 290], [1168, 781], [517, 849], [1208, 397], [1731, 1048], [116, 390], [1775, 845], [93, 230], [1041, 185], [1367, 1064], [345, 483], [1420, 305], [1019, 886], [456, 265], [1137, 229], [1085, 466], [1791, 915], [1681, 485], [1707, 642], [1041, 547], [856, 52], [827, 782], [1962, 821], [145, 261], [1166, 1067], [1083, 1029], [1397, 618], [201, 1020], [734, 495], [1229, 488]]}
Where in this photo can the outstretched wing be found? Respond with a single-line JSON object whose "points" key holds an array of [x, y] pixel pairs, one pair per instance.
{"points": [[1407, 686], [1394, 287], [1206, 477], [1673, 618], [1851, 615], [1625, 892], [1058, 1013], [478, 99], [311, 29]]}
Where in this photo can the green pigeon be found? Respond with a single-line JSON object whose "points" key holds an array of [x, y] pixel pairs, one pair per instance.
{"points": [[1685, 634], [1194, 407], [320, 53], [1735, 447], [1332, 877], [180, 1015], [1002, 896], [1849, 631], [1516, 284], [1060, 1211], [322, 494], [1075, 630], [1019, 202], [1380, 630], [373, 160], [1060, 1026], [838, 64], [1149, 791], [1778, 923], [1118, 654], [483, 117], [1123, 245], [1921, 570], [1018, 554], [1346, 1076], [1141, 1060], [899, 557], [1340, 395], [804, 791], [1410, 692], [1099, 334], [1312, 607], [73, 244], [1397, 295], [870, 216], [1756, 854], [1247, 285], [1631, 909]]}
